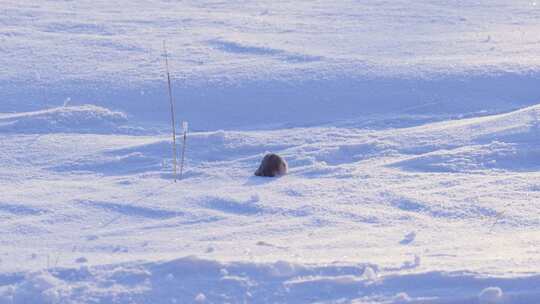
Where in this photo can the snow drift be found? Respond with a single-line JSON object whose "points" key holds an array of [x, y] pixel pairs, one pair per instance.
{"points": [[509, 141], [67, 119]]}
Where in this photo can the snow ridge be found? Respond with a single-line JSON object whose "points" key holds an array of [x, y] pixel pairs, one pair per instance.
{"points": [[66, 119]]}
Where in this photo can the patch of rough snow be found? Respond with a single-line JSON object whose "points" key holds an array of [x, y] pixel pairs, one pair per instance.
{"points": [[194, 280]]}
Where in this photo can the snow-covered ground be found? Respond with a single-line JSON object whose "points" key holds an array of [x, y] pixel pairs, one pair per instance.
{"points": [[411, 131], [319, 61], [441, 210]]}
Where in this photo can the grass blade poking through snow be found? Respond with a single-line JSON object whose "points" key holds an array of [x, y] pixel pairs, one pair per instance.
{"points": [[184, 130], [172, 109]]}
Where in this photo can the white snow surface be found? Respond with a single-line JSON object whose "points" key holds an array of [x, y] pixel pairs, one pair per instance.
{"points": [[438, 212], [411, 130], [283, 63]]}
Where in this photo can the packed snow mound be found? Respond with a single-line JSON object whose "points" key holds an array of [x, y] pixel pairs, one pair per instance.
{"points": [[194, 280], [509, 141], [67, 119], [496, 155], [516, 126]]}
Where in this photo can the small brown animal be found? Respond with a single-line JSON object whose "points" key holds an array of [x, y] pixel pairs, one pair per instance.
{"points": [[272, 165]]}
